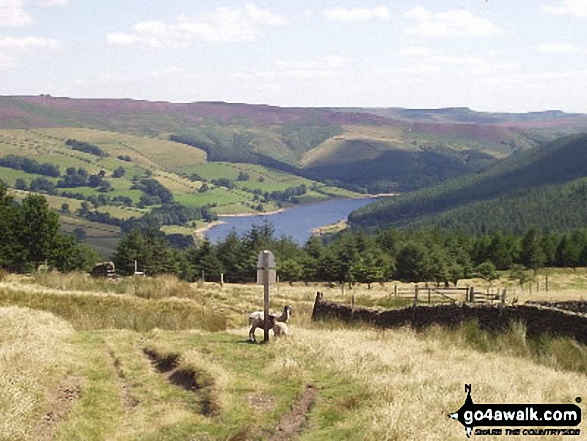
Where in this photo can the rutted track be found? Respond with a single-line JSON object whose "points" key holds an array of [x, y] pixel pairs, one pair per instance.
{"points": [[128, 399], [187, 379], [292, 423]]}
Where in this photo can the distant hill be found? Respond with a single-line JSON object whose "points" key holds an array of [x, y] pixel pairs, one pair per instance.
{"points": [[466, 115], [538, 182], [403, 149]]}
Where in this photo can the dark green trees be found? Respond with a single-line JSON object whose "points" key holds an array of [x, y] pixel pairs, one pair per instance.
{"points": [[29, 236], [149, 249]]}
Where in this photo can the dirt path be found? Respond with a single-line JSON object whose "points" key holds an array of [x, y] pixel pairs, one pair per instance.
{"points": [[292, 423], [129, 401], [60, 403], [186, 379]]}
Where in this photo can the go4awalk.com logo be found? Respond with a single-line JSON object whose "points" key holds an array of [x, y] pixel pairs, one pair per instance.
{"points": [[518, 419]]}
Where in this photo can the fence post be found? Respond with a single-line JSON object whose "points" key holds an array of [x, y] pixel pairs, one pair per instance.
{"points": [[428, 295], [472, 294], [503, 296], [221, 279], [395, 290], [547, 283], [416, 295]]}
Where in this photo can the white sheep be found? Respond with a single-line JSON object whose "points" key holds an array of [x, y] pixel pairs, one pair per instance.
{"points": [[280, 329], [256, 320]]}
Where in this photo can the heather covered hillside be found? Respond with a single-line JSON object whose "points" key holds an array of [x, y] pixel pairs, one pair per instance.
{"points": [[406, 149]]}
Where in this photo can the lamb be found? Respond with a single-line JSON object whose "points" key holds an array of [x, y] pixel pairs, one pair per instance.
{"points": [[256, 320], [280, 329]]}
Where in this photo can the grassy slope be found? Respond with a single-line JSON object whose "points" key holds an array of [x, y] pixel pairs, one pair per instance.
{"points": [[365, 380], [168, 162], [298, 136], [561, 161]]}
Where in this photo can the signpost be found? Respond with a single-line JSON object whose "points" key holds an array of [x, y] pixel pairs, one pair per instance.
{"points": [[266, 274]]}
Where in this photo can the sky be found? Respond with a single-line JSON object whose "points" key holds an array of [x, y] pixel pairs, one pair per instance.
{"points": [[489, 55]]}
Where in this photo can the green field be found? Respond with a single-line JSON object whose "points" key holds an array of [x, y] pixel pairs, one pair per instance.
{"points": [[169, 163]]}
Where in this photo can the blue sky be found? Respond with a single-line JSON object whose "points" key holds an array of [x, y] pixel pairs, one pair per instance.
{"points": [[494, 55]]}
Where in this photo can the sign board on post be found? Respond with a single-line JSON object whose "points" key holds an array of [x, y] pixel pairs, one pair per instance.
{"points": [[266, 274]]}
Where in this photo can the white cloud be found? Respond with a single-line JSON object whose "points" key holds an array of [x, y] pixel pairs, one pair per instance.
{"points": [[357, 14], [561, 48], [13, 48], [48, 3], [306, 69], [457, 22], [224, 25], [426, 61], [575, 75], [419, 13], [416, 51], [7, 61], [26, 43], [568, 7], [12, 14]]}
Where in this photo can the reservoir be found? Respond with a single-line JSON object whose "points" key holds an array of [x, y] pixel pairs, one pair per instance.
{"points": [[296, 222]]}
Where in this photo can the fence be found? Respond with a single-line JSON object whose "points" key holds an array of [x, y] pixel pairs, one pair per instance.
{"points": [[436, 295]]}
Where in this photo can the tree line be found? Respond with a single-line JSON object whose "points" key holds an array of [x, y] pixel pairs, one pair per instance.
{"points": [[355, 257], [30, 236]]}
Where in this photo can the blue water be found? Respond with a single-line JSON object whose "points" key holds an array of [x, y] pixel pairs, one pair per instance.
{"points": [[296, 222]]}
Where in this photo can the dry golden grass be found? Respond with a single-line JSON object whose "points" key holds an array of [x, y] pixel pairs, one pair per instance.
{"points": [[414, 381], [33, 352], [99, 310], [152, 150], [371, 384]]}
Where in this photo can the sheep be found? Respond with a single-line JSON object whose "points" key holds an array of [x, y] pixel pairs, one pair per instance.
{"points": [[280, 329], [256, 320]]}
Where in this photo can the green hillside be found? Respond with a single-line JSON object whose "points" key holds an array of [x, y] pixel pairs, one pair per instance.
{"points": [[406, 149], [104, 183], [520, 187]]}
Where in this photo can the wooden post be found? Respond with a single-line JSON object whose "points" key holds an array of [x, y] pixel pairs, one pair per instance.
{"points": [[266, 296], [472, 294], [353, 304], [428, 295], [203, 274], [395, 290], [221, 279], [503, 296], [265, 276], [547, 283], [416, 295]]}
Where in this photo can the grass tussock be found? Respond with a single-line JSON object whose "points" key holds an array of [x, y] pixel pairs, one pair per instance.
{"points": [[33, 350], [111, 311], [560, 353]]}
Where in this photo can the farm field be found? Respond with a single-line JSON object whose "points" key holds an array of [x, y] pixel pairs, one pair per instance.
{"points": [[126, 159], [164, 360]]}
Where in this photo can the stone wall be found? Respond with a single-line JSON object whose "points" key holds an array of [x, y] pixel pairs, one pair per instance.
{"points": [[493, 318]]}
